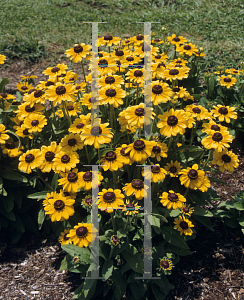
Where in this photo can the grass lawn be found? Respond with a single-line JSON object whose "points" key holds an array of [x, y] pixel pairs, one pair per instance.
{"points": [[215, 25]]}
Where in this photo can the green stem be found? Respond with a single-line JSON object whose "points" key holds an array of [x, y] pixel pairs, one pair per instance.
{"points": [[41, 136], [113, 222], [54, 115], [170, 141], [87, 155], [114, 178], [127, 223], [209, 156], [66, 109], [49, 121], [186, 192], [83, 70], [137, 92], [111, 252], [99, 154], [40, 177], [193, 133]]}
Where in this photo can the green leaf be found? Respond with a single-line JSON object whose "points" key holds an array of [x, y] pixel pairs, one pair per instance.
{"points": [[137, 289], [74, 250], [4, 82], [54, 183], [212, 179], [17, 224], [227, 204], [238, 206], [205, 221], [41, 218], [107, 268], [11, 175], [133, 258], [89, 288], [200, 211], [9, 215], [157, 292], [65, 263], [160, 217], [8, 201], [174, 213], [156, 224], [173, 237], [38, 195], [231, 222], [119, 284], [17, 196]]}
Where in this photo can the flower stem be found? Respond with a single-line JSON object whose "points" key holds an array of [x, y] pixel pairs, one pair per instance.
{"points": [[127, 223], [87, 155], [111, 252], [69, 118], [186, 192], [114, 178], [137, 91], [83, 70], [99, 154], [209, 156], [113, 222], [193, 133]]}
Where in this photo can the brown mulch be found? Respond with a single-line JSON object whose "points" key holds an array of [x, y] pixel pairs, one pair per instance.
{"points": [[30, 269]]}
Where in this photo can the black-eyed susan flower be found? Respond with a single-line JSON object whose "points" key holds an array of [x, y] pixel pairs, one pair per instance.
{"points": [[142, 50], [192, 177], [157, 69], [3, 135], [43, 85], [108, 40], [68, 194], [136, 75], [217, 141], [115, 240], [156, 174], [226, 160], [78, 52], [2, 58], [179, 92], [160, 92], [11, 148], [139, 115], [125, 157], [112, 95], [30, 160], [64, 162], [37, 96], [70, 77], [79, 124], [97, 135], [172, 122], [130, 59], [211, 127], [23, 132], [53, 72], [187, 49], [24, 86], [131, 208], [173, 168], [83, 234], [87, 201], [110, 199], [60, 92], [183, 225], [71, 142], [176, 40], [106, 66], [63, 239], [71, 108], [166, 264], [159, 150], [175, 73], [187, 210], [198, 112], [172, 200], [60, 208], [137, 188], [111, 161], [35, 122], [71, 181], [158, 58], [28, 108], [48, 197], [90, 102], [48, 154], [86, 179], [140, 150], [205, 185], [115, 80], [233, 71], [224, 113], [227, 81]]}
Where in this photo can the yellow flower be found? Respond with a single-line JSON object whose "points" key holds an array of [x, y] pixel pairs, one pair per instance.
{"points": [[79, 124], [175, 73], [28, 108], [192, 177], [78, 52], [224, 113], [172, 122], [138, 115], [226, 160], [86, 179], [187, 210], [108, 40], [173, 168], [24, 86], [212, 127], [64, 162], [35, 122], [60, 92], [30, 160], [125, 157], [115, 240], [53, 72], [82, 234], [114, 80], [137, 188], [63, 239], [60, 208], [71, 181], [111, 161], [110, 199], [140, 150], [227, 81], [159, 150], [161, 92], [37, 96], [198, 112], [166, 264], [71, 142], [183, 225], [2, 59], [188, 49], [131, 208], [155, 175], [23, 131], [112, 95], [48, 154], [11, 148], [3, 135], [217, 141], [176, 40], [172, 200]]}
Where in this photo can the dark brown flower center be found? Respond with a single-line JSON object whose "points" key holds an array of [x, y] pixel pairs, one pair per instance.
{"points": [[119, 52], [156, 149], [176, 90], [10, 145], [137, 184], [173, 169], [193, 174], [157, 89], [71, 79], [173, 72], [38, 94], [186, 209], [173, 197], [31, 91], [109, 80], [49, 155], [179, 61], [49, 83], [108, 37], [217, 137], [65, 237], [196, 110], [158, 56], [70, 107], [139, 37], [161, 65], [155, 169], [110, 93], [172, 121], [110, 156], [88, 200], [139, 111], [129, 58], [226, 158], [157, 40], [60, 90], [16, 102], [65, 159], [3, 95], [55, 70], [227, 79], [80, 125], [24, 88], [87, 176], [103, 63], [72, 177], [122, 152], [115, 239], [215, 127], [176, 39], [81, 231], [59, 204], [29, 158], [184, 225], [78, 49], [66, 194], [72, 142], [187, 47], [29, 109], [35, 123], [164, 264], [77, 87], [223, 110], [139, 145], [109, 197], [96, 130], [130, 205], [26, 131], [138, 73]]}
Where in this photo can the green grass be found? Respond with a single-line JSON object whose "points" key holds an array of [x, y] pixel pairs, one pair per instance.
{"points": [[215, 25]]}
